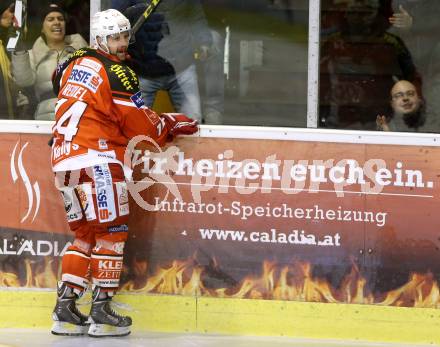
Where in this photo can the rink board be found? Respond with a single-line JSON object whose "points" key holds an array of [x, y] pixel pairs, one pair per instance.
{"points": [[217, 284], [156, 313]]}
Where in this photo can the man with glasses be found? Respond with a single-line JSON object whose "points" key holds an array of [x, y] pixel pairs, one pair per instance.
{"points": [[407, 109]]}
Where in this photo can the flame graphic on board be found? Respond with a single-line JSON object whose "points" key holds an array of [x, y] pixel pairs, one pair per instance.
{"points": [[35, 275], [293, 282], [30, 189]]}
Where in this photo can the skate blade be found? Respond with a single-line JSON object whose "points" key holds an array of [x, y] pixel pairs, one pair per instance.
{"points": [[103, 330], [68, 329]]}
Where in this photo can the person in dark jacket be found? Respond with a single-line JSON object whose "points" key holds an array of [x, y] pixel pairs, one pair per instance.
{"points": [[163, 53], [416, 22], [359, 65]]}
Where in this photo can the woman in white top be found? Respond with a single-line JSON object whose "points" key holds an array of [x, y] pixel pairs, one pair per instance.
{"points": [[35, 67]]}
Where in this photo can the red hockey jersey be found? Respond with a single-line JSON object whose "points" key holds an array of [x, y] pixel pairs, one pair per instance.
{"points": [[99, 109]]}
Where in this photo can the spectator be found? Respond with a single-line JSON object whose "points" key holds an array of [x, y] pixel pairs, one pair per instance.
{"points": [[164, 49], [408, 109], [417, 23], [35, 67], [332, 13], [79, 14], [6, 102], [212, 70], [432, 92], [214, 81], [359, 65]]}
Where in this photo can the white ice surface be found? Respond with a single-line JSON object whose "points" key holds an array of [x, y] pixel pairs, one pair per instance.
{"points": [[37, 338]]}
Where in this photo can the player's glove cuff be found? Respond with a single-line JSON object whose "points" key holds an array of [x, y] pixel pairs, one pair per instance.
{"points": [[179, 124]]}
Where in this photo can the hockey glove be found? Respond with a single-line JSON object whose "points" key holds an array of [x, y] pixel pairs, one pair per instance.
{"points": [[179, 124]]}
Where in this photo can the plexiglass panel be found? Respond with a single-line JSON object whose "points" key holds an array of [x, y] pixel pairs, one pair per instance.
{"points": [[224, 62], [34, 37], [378, 65]]}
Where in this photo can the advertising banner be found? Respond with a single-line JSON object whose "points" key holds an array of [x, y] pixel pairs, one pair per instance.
{"points": [[262, 219]]}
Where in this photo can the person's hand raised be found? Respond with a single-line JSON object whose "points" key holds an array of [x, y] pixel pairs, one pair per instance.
{"points": [[381, 122], [402, 19]]}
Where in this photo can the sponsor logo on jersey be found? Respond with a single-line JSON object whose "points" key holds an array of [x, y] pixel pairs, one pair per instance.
{"points": [[72, 217], [122, 197], [82, 197], [84, 192], [67, 202], [153, 117], [86, 77], [109, 270], [104, 193], [95, 82], [94, 65], [106, 155], [118, 228], [137, 99], [78, 53], [110, 264], [71, 205], [126, 76], [102, 143], [61, 150]]}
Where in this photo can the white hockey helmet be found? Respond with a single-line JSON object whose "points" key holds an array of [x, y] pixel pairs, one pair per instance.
{"points": [[105, 23]]}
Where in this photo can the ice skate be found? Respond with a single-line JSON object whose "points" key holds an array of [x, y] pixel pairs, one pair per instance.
{"points": [[68, 320], [103, 320]]}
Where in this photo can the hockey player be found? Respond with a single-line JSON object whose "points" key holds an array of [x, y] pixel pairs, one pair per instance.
{"points": [[99, 110]]}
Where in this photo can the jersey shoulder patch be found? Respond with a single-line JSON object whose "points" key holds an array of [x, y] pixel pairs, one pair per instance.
{"points": [[56, 77], [122, 78]]}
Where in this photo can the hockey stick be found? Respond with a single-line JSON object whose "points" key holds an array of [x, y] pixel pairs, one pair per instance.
{"points": [[149, 10]]}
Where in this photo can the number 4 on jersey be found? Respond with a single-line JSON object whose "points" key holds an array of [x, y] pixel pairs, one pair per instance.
{"points": [[71, 117]]}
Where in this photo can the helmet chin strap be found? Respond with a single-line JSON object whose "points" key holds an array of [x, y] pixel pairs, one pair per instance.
{"points": [[103, 46]]}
